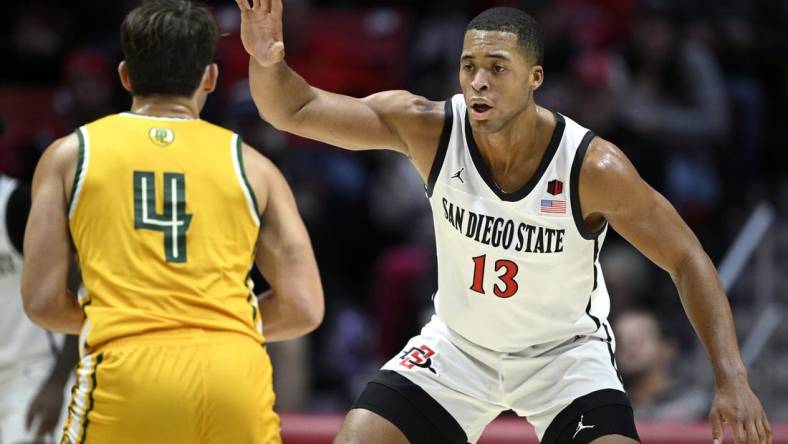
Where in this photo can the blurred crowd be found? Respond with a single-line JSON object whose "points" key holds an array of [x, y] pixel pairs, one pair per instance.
{"points": [[692, 90]]}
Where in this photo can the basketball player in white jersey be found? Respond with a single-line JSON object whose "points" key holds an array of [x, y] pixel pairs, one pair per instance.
{"points": [[521, 200], [34, 365]]}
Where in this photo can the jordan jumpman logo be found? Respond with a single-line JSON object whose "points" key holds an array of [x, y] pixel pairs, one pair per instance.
{"points": [[457, 175], [580, 427]]}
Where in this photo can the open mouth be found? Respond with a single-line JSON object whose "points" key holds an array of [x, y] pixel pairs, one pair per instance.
{"points": [[480, 107]]}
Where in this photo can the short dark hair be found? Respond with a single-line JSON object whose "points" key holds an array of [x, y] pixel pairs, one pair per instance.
{"points": [[168, 44], [516, 21]]}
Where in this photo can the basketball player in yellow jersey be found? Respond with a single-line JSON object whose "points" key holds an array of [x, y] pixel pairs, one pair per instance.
{"points": [[167, 213]]}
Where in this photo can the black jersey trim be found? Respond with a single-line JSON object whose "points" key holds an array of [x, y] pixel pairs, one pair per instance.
{"points": [[86, 419], [574, 189], [411, 409], [443, 146], [588, 306], [580, 406], [78, 171], [547, 158], [609, 341], [239, 153]]}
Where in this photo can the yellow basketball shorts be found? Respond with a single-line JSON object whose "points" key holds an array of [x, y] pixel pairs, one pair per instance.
{"points": [[185, 386]]}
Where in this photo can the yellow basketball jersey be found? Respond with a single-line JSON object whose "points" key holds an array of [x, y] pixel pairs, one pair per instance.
{"points": [[165, 226]]}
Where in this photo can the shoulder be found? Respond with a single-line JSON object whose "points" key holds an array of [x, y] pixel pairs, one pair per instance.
{"points": [[607, 178], [605, 162], [262, 175], [61, 155]]}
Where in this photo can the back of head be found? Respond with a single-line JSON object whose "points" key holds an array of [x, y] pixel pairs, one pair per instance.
{"points": [[516, 21], [167, 45]]}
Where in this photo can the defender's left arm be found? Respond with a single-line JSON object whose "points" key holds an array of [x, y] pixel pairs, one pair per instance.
{"points": [[47, 246], [611, 189]]}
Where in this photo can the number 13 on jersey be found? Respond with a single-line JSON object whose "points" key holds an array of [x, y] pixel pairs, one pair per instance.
{"points": [[173, 222], [510, 285]]}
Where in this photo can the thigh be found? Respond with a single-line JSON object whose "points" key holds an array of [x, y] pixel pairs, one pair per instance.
{"points": [[134, 395], [363, 426], [607, 424], [239, 395], [561, 385], [438, 382], [392, 407]]}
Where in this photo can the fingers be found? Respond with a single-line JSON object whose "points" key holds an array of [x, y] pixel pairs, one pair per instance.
{"points": [[264, 4], [243, 5], [739, 432], [755, 429], [276, 7], [47, 425], [767, 427], [31, 414], [716, 427], [755, 432], [763, 425]]}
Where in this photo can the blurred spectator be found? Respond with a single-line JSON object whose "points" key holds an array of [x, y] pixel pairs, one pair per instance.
{"points": [[646, 355], [86, 89], [672, 102]]}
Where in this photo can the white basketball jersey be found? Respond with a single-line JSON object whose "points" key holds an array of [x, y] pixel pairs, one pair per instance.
{"points": [[515, 269], [21, 341]]}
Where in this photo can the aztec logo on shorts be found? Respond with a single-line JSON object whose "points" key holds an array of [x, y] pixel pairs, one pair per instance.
{"points": [[419, 357]]}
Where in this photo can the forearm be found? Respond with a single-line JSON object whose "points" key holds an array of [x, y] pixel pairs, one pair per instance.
{"points": [[278, 92], [282, 319], [708, 310], [66, 360], [59, 314]]}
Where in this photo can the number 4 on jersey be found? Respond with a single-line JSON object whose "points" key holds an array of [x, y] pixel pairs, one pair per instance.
{"points": [[173, 222]]}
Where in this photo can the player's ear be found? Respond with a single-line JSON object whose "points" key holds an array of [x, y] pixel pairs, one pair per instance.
{"points": [[123, 73], [536, 77], [210, 77]]}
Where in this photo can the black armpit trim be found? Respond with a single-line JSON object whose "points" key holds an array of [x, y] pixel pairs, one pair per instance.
{"points": [[574, 189], [443, 146]]}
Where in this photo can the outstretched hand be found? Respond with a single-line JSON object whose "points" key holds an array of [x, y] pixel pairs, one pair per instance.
{"points": [[43, 413], [737, 406], [261, 30]]}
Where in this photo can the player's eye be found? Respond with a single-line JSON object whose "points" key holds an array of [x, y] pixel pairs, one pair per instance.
{"points": [[467, 67], [499, 68]]}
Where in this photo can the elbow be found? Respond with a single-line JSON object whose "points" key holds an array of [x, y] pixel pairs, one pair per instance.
{"points": [[35, 306], [689, 264], [313, 315]]}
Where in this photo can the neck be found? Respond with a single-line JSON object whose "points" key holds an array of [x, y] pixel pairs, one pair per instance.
{"points": [[517, 143], [165, 106]]}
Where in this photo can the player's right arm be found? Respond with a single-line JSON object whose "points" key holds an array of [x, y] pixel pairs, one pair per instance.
{"points": [[294, 305], [396, 120]]}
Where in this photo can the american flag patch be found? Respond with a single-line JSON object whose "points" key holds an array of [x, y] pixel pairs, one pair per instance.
{"points": [[552, 206]]}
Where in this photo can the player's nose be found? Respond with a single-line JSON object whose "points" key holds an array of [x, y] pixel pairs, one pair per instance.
{"points": [[480, 81]]}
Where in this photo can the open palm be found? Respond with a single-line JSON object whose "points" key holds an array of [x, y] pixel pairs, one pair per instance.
{"points": [[261, 30]]}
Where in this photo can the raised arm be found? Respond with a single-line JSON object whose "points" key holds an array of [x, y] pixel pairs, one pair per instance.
{"points": [[396, 120], [294, 305], [611, 189], [47, 248]]}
